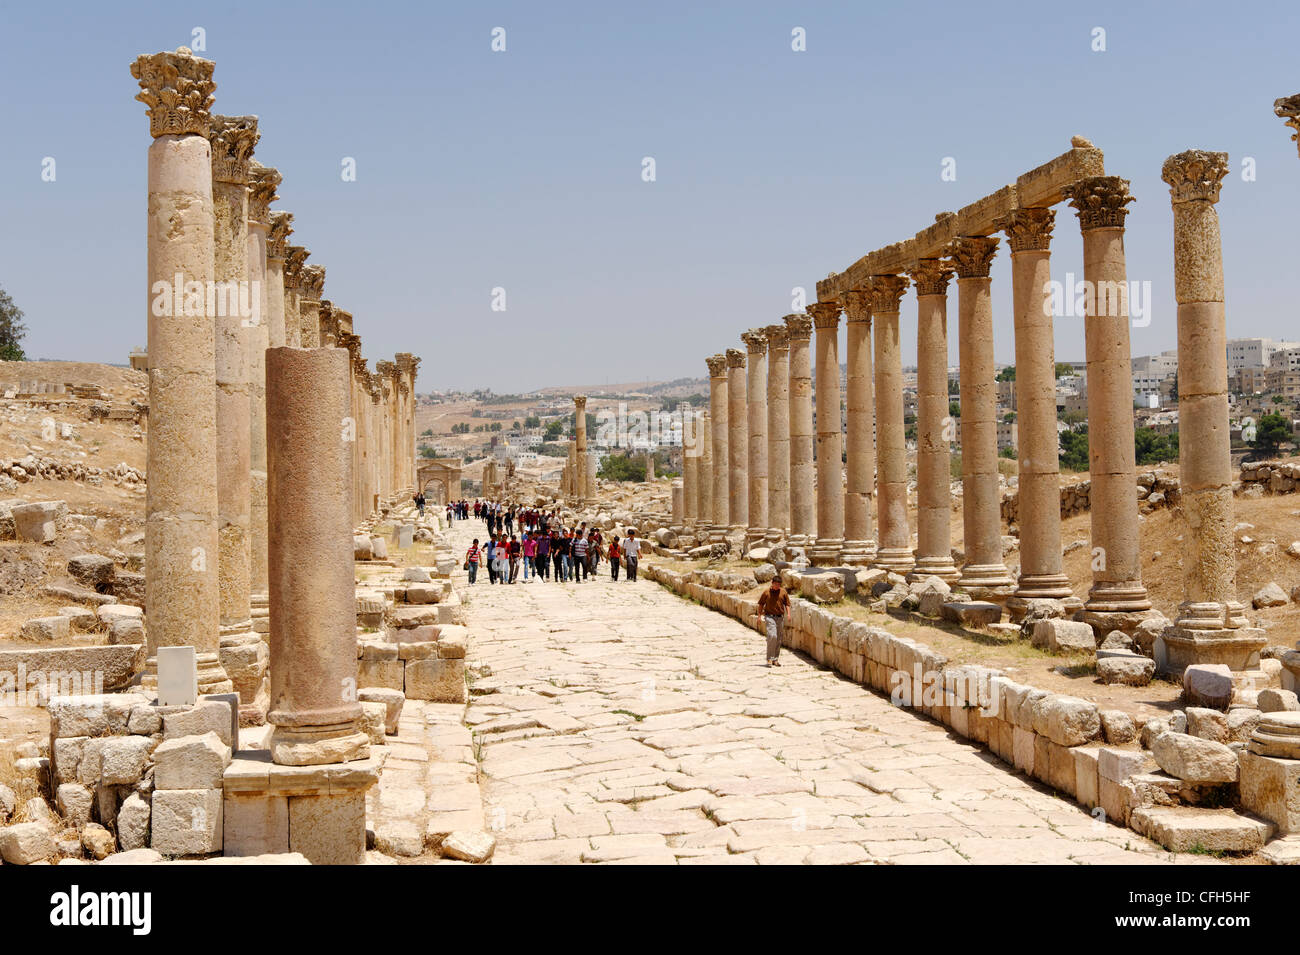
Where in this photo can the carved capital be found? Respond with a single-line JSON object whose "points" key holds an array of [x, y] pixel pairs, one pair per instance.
{"points": [[972, 255], [857, 305], [1028, 230], [294, 262], [1099, 201], [931, 276], [755, 340], [735, 358], [799, 326], [311, 282], [262, 183], [1195, 175], [328, 321], [233, 140], [886, 292], [778, 337], [717, 366], [825, 315], [580, 404], [1288, 107], [177, 89], [277, 243]]}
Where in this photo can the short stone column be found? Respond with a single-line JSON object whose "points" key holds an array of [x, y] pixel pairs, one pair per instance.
{"points": [[690, 467], [1029, 234], [830, 454], [580, 445], [311, 288], [983, 573], [181, 540], [894, 551], [935, 428], [295, 261], [1211, 625], [860, 432], [756, 410], [314, 706], [704, 514], [262, 183], [719, 439], [737, 442], [679, 503], [802, 507], [778, 432], [277, 247], [1116, 576]]}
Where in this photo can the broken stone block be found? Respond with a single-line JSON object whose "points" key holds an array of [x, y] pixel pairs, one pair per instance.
{"points": [[97, 841], [1125, 669], [1273, 701], [122, 759], [1208, 684], [1207, 724], [442, 681], [26, 844], [361, 549], [1194, 760], [393, 701], [133, 822], [1183, 829], [92, 570], [1117, 640], [98, 714], [1117, 727], [372, 722], [205, 716], [1270, 595], [1270, 787], [378, 548], [186, 822], [74, 802], [973, 613], [46, 629], [35, 522], [468, 845], [1066, 720], [190, 762], [1063, 636]]}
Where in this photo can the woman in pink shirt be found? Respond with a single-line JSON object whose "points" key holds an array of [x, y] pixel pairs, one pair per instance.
{"points": [[530, 554]]}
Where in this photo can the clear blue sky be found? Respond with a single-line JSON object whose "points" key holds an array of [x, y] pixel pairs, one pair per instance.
{"points": [[522, 169]]}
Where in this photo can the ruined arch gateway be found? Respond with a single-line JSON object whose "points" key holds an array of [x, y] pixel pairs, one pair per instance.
{"points": [[440, 480]]}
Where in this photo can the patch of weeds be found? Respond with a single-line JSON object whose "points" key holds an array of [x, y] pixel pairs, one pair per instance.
{"points": [[636, 716]]}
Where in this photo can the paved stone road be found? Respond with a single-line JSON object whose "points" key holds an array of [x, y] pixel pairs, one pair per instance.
{"points": [[626, 725]]}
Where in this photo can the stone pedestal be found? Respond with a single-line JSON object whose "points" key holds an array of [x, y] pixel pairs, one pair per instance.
{"points": [[935, 427], [737, 443], [894, 550], [825, 552], [860, 450], [314, 704], [778, 432], [181, 541], [718, 410], [983, 574], [1116, 578], [756, 413], [802, 526]]}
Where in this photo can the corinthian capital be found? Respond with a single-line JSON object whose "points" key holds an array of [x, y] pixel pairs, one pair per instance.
{"points": [[294, 262], [778, 337], [580, 404], [825, 315], [931, 276], [735, 358], [1195, 174], [262, 183], [755, 341], [233, 139], [857, 305], [1028, 230], [177, 89], [1100, 201], [277, 243], [886, 292], [1288, 107], [717, 366], [972, 255], [799, 326], [311, 280]]}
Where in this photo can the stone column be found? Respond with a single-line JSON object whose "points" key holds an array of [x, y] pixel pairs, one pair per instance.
{"points": [[778, 432], [983, 574], [830, 455], [935, 428], [704, 517], [314, 704], [895, 548], [590, 478], [575, 489], [295, 261], [860, 445], [1211, 625], [802, 527], [387, 372], [376, 442], [756, 411], [737, 442], [233, 139], [690, 467], [311, 286], [261, 193], [181, 497], [679, 502], [718, 415], [1117, 576], [357, 368], [1029, 234], [276, 250], [580, 446]]}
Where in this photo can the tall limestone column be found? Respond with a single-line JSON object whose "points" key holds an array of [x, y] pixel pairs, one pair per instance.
{"points": [[802, 526], [895, 548], [261, 193], [277, 247], [737, 442], [181, 548], [1117, 574], [1211, 625], [314, 706], [575, 490], [311, 287], [778, 432], [756, 410], [580, 446], [983, 574], [233, 139], [704, 518], [826, 550], [935, 429], [690, 467], [385, 370], [1029, 234], [593, 464], [356, 368], [295, 261], [860, 449], [409, 365], [374, 382], [718, 416]]}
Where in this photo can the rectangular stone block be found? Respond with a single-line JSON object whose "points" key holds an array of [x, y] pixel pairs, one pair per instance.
{"points": [[255, 824], [1270, 787], [1023, 750], [1113, 799], [187, 822], [388, 674], [442, 681], [329, 830], [1085, 775], [178, 681]]}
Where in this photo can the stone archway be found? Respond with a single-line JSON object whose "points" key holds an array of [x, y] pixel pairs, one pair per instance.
{"points": [[435, 491], [442, 476]]}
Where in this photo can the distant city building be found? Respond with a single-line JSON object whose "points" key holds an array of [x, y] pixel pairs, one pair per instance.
{"points": [[1254, 352]]}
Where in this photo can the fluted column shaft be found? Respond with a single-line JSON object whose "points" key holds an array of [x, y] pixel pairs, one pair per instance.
{"points": [[830, 453], [756, 408], [778, 432], [802, 489]]}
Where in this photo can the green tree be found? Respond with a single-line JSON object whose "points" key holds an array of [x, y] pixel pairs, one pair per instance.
{"points": [[1008, 452], [954, 386], [954, 409], [532, 421], [554, 430], [1153, 448], [621, 468], [1009, 417], [1064, 369], [12, 329], [1270, 432], [1074, 450], [1007, 374]]}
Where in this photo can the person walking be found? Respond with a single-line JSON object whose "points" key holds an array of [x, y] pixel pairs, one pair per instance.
{"points": [[632, 550], [580, 544], [544, 556], [530, 555], [419, 502], [489, 556], [557, 556], [503, 560], [594, 542], [615, 552], [472, 557], [516, 550], [774, 607]]}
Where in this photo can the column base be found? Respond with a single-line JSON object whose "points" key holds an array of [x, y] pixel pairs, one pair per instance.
{"points": [[858, 553], [825, 551], [1238, 647], [986, 577], [775, 535], [315, 746], [941, 567], [1211, 615], [755, 537], [717, 534], [799, 540], [1118, 596], [898, 560], [1043, 587]]}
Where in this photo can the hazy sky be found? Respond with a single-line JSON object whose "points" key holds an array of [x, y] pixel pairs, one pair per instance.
{"points": [[522, 169]]}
